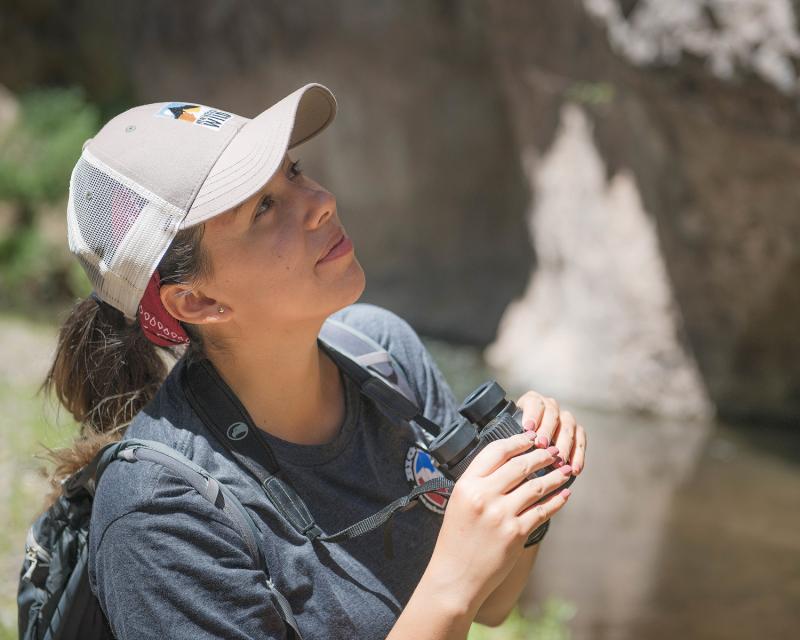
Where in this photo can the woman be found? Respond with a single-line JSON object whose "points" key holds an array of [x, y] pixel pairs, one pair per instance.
{"points": [[202, 236]]}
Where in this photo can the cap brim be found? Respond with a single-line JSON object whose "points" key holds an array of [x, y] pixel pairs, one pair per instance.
{"points": [[257, 150]]}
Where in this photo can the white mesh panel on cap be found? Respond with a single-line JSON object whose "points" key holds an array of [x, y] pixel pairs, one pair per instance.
{"points": [[118, 230]]}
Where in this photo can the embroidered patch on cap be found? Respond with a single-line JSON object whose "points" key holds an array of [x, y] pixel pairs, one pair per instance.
{"points": [[420, 469], [195, 114]]}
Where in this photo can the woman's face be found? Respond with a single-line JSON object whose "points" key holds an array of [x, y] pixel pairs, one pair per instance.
{"points": [[267, 255]]}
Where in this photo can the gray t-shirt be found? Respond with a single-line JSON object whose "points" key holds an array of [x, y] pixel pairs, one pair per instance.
{"points": [[165, 563]]}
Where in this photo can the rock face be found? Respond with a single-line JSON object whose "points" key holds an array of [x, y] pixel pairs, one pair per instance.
{"points": [[615, 179], [709, 164], [598, 324]]}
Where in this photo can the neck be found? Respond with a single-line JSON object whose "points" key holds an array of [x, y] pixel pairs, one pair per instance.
{"points": [[289, 386]]}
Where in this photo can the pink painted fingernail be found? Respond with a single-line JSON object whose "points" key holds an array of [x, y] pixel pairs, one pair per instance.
{"points": [[529, 425], [558, 463], [543, 442], [566, 469], [531, 436], [553, 451], [566, 493]]}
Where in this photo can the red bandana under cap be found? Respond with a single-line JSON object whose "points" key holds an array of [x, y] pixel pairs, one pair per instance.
{"points": [[159, 327]]}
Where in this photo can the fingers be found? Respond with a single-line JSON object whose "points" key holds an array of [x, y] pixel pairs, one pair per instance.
{"points": [[496, 453], [532, 405], [517, 469], [565, 437], [535, 515], [549, 423], [579, 451], [534, 490]]}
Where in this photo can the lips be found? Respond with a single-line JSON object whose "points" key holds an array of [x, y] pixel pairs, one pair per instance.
{"points": [[337, 238]]}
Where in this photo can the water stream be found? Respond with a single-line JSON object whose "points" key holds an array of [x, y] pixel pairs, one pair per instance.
{"points": [[675, 529]]}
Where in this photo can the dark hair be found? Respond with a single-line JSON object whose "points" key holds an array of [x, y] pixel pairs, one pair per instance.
{"points": [[105, 370]]}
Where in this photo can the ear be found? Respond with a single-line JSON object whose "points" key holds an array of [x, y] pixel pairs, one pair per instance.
{"points": [[190, 305]]}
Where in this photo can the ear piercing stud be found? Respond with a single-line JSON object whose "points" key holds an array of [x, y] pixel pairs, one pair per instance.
{"points": [[221, 309]]}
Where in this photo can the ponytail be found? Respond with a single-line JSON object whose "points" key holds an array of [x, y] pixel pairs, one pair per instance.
{"points": [[105, 370]]}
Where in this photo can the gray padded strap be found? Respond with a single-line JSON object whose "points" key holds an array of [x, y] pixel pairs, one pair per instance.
{"points": [[374, 358], [379, 376], [368, 353]]}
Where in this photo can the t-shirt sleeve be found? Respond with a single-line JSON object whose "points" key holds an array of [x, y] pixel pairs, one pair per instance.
{"points": [[394, 334], [175, 569]]}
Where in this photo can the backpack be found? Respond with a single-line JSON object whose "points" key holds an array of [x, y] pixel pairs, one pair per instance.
{"points": [[54, 598]]}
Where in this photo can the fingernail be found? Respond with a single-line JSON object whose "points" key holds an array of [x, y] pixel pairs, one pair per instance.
{"points": [[529, 425], [543, 442], [553, 451], [566, 493], [566, 469], [577, 469], [558, 463], [530, 436]]}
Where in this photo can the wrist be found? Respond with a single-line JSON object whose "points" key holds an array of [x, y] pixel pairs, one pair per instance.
{"points": [[434, 612], [450, 596]]}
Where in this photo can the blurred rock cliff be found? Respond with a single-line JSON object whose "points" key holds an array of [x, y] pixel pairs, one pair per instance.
{"points": [[602, 192]]}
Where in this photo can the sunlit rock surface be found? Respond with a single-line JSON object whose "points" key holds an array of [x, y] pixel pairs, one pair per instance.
{"points": [[597, 324], [733, 36], [709, 161]]}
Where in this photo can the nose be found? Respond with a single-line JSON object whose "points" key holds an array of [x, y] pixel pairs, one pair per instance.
{"points": [[321, 207]]}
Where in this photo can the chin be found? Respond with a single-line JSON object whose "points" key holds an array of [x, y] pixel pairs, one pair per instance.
{"points": [[351, 287], [358, 282]]}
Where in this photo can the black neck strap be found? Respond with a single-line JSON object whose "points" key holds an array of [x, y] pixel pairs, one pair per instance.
{"points": [[223, 413]]}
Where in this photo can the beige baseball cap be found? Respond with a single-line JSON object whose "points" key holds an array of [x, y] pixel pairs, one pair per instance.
{"points": [[158, 168]]}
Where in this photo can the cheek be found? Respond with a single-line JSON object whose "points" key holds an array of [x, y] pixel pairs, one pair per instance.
{"points": [[286, 257], [281, 267]]}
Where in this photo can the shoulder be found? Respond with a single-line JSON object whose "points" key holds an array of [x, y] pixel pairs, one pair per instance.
{"points": [[378, 323], [143, 496], [400, 339], [388, 329], [164, 561]]}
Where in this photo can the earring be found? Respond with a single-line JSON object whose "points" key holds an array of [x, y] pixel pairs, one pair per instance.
{"points": [[221, 309]]}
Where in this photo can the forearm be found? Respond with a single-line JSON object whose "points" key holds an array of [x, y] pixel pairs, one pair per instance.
{"points": [[435, 611], [501, 601]]}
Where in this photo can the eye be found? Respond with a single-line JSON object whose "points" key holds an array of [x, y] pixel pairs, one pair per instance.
{"points": [[295, 168], [264, 205], [268, 200]]}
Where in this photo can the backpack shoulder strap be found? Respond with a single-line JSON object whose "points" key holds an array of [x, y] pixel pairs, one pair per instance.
{"points": [[375, 370], [207, 486], [366, 352]]}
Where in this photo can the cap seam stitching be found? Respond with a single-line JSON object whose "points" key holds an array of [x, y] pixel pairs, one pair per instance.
{"points": [[211, 166], [258, 164]]}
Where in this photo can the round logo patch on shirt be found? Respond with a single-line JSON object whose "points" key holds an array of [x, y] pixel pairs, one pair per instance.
{"points": [[420, 469]]}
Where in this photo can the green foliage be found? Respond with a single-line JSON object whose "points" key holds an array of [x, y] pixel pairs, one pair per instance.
{"points": [[549, 624], [34, 273], [591, 93], [37, 152]]}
